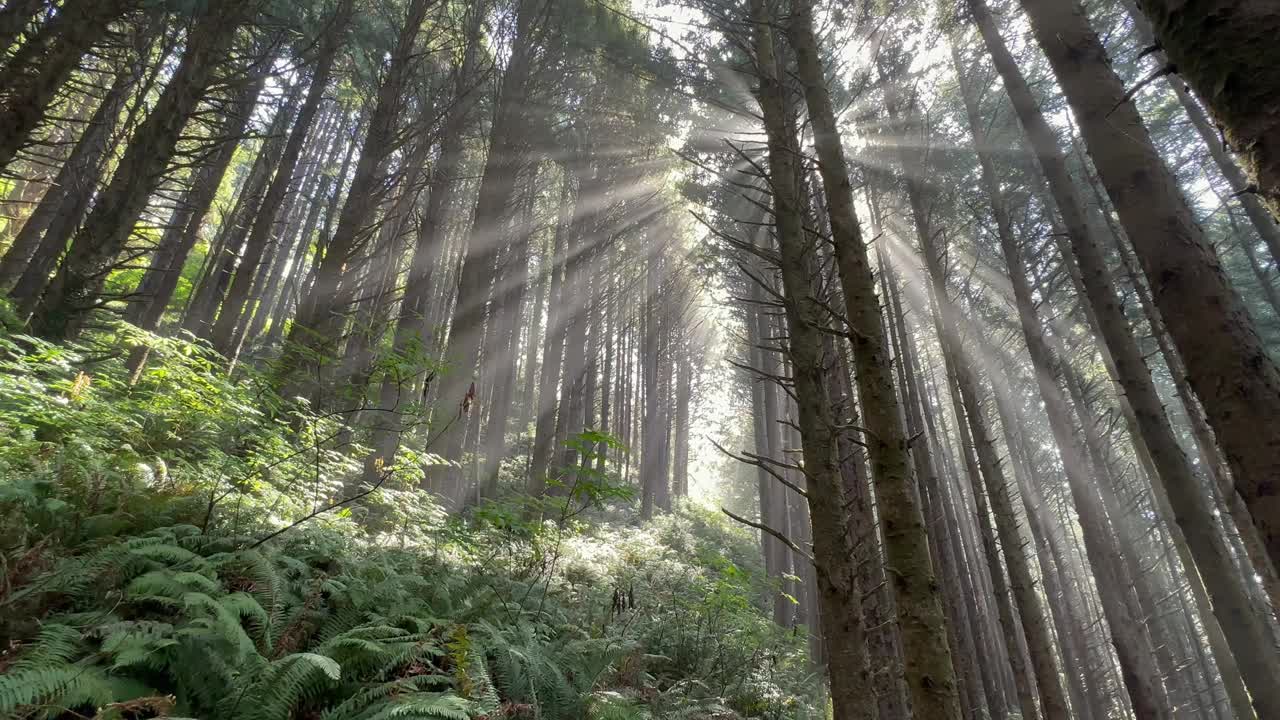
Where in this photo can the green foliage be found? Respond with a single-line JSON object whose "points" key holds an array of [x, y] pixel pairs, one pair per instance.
{"points": [[133, 585]]}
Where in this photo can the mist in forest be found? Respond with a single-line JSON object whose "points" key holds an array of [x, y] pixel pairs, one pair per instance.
{"points": [[640, 359]]}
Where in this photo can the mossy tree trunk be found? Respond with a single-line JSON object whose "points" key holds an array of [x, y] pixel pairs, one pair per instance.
{"points": [[929, 671], [838, 593], [1226, 50]]}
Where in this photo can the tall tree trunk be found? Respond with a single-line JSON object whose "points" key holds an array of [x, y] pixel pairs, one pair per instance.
{"points": [[161, 278], [840, 597], [304, 211], [1141, 678], [264, 223], [528, 410], [1074, 668], [317, 331], [1193, 511], [545, 411], [929, 672], [764, 430], [683, 391], [29, 260], [963, 626], [652, 474], [508, 301], [73, 292], [329, 199], [224, 252], [1259, 216], [497, 186], [1226, 51], [986, 470], [1236, 381], [34, 75]]}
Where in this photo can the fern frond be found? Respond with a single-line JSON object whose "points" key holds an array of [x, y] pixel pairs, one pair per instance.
{"points": [[56, 643], [425, 705], [363, 703], [167, 553], [136, 642], [245, 607], [211, 616], [608, 705], [284, 684], [61, 685], [167, 587]]}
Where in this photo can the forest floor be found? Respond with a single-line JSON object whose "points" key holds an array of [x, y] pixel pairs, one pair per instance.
{"points": [[144, 574]]}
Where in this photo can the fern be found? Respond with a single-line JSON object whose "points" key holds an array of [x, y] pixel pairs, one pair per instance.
{"points": [[424, 705], [369, 700], [59, 686], [136, 643], [614, 706], [56, 643], [285, 684]]}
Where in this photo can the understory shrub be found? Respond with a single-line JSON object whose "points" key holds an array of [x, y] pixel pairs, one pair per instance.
{"points": [[145, 573]]}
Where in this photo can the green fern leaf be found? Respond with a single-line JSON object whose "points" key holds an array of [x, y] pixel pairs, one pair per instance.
{"points": [[425, 705], [56, 643], [284, 684]]}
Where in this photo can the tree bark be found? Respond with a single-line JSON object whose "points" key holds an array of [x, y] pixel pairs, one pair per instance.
{"points": [[1226, 51], [317, 331], [24, 272], [545, 411], [1193, 513], [33, 76], [224, 251], [497, 185], [839, 594], [1236, 381], [65, 203], [223, 332], [73, 292], [929, 672], [158, 283], [1259, 216]]}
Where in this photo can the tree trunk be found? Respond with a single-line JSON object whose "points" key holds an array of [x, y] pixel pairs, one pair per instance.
{"points": [[328, 198], [652, 474], [768, 491], [1236, 381], [224, 252], [838, 592], [963, 626], [317, 331], [683, 391], [29, 260], [545, 411], [1192, 510], [260, 235], [497, 185], [157, 285], [34, 74], [1259, 216], [73, 292], [929, 672], [303, 212], [508, 302], [1226, 51]]}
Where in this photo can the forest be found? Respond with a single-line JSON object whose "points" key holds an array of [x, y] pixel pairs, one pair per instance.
{"points": [[640, 359]]}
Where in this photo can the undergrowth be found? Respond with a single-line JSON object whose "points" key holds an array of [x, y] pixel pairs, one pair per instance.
{"points": [[142, 575]]}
